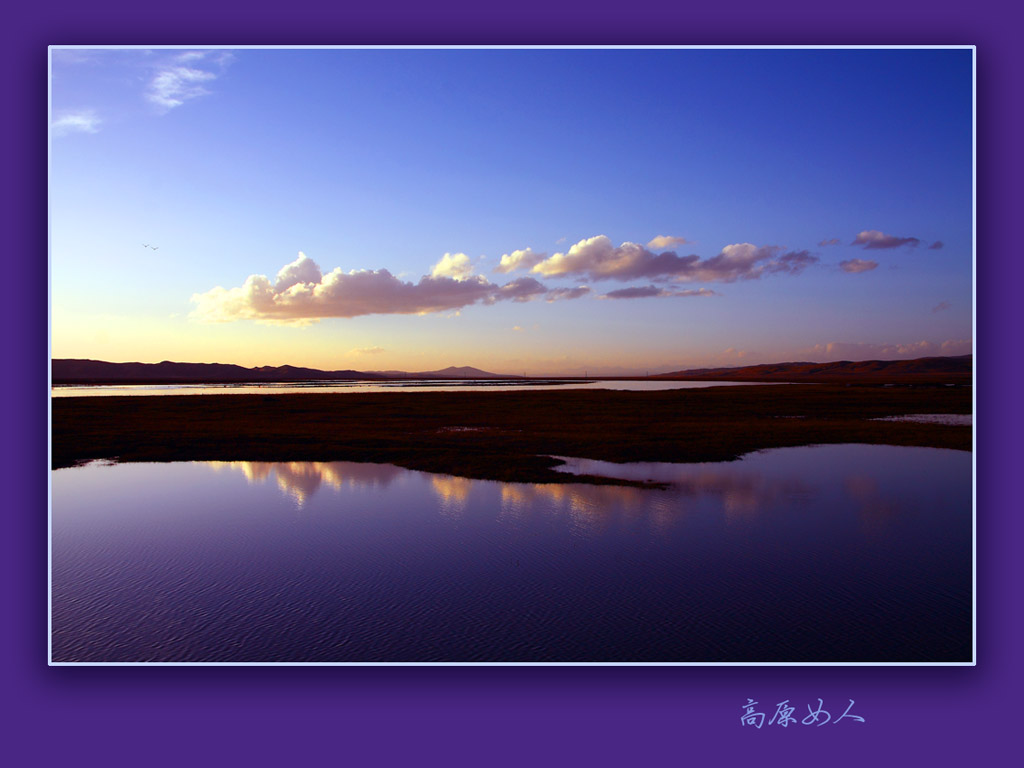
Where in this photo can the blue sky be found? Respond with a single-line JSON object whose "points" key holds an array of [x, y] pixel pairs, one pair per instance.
{"points": [[747, 164]]}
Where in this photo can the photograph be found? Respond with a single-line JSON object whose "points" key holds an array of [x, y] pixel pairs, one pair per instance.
{"points": [[512, 356]]}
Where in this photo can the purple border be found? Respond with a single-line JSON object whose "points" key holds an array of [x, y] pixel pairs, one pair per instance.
{"points": [[500, 716]]}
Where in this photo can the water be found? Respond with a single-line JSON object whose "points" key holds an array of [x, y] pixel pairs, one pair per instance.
{"points": [[948, 419], [829, 553], [287, 388]]}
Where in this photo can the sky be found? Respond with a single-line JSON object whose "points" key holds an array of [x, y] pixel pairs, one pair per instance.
{"points": [[535, 212]]}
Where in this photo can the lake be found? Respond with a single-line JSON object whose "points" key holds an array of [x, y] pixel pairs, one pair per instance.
{"points": [[843, 553], [288, 388]]}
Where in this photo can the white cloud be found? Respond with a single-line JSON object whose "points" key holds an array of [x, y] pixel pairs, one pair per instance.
{"points": [[190, 56], [173, 87], [302, 270], [454, 265], [183, 77], [666, 241], [367, 351], [521, 259], [303, 294], [598, 259], [82, 121]]}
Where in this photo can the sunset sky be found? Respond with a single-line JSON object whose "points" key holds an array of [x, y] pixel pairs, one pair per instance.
{"points": [[537, 211]]}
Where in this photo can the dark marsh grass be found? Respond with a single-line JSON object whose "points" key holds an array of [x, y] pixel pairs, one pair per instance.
{"points": [[500, 435]]}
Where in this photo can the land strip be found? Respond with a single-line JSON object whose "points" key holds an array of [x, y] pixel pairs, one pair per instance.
{"points": [[507, 436]]}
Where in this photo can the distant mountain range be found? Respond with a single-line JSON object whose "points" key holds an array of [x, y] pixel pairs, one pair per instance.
{"points": [[100, 372], [451, 372], [923, 369]]}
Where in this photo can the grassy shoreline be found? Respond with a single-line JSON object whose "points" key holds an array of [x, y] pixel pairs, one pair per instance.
{"points": [[505, 436]]}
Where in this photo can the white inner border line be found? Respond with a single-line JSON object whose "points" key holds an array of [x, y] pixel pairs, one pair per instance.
{"points": [[974, 344]]}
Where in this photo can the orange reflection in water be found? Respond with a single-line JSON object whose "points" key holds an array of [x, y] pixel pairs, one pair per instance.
{"points": [[452, 493], [589, 508], [301, 479]]}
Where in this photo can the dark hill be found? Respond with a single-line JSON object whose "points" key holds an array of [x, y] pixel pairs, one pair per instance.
{"points": [[100, 372], [166, 372], [947, 370]]}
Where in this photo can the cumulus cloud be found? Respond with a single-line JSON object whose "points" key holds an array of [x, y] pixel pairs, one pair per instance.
{"points": [[856, 266], [302, 270], [872, 239], [522, 259], [454, 265], [744, 261], [936, 245], [831, 241], [599, 259], [82, 121], [942, 306], [661, 242], [367, 351], [654, 292], [302, 294], [183, 77], [838, 350], [521, 289], [556, 294]]}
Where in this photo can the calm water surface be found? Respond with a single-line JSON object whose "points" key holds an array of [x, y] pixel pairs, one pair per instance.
{"points": [[828, 553], [77, 390]]}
